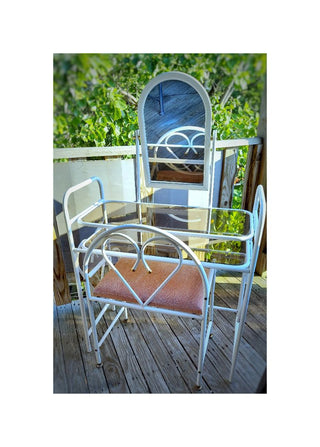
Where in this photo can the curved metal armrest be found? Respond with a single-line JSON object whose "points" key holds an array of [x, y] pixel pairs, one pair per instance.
{"points": [[75, 188]]}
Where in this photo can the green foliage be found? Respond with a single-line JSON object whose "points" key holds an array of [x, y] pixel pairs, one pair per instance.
{"points": [[95, 95], [226, 222], [92, 108], [88, 109]]}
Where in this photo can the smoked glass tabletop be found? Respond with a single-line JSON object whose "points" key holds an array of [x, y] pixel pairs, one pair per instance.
{"points": [[218, 235], [222, 222]]}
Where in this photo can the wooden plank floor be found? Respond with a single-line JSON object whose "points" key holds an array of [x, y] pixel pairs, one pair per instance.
{"points": [[153, 353]]}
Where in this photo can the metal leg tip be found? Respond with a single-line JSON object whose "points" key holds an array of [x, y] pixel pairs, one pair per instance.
{"points": [[99, 365], [230, 378]]}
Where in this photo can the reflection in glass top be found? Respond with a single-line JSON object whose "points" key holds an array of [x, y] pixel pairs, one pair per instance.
{"points": [[223, 222], [190, 223]]}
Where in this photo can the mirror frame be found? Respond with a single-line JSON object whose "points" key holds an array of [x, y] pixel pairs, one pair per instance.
{"points": [[183, 77]]}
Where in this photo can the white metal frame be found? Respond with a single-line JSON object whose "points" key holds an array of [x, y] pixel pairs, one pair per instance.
{"points": [[102, 240], [252, 240], [182, 132], [183, 77], [209, 169], [74, 250], [247, 270], [259, 216]]}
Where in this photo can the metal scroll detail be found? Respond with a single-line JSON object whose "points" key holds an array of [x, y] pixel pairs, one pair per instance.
{"points": [[185, 156], [140, 257]]}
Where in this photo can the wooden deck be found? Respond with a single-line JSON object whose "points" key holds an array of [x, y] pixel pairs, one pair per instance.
{"points": [[158, 354]]}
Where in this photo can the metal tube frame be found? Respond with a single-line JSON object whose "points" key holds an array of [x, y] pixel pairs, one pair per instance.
{"points": [[206, 323], [259, 211], [210, 198], [247, 269], [74, 252]]}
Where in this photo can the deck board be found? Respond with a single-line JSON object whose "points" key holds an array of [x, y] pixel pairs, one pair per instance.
{"points": [[178, 352], [150, 370], [73, 360], [152, 337], [60, 377], [156, 353], [95, 376]]}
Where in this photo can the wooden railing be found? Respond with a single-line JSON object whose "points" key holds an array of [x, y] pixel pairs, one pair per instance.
{"points": [[229, 163], [119, 151]]}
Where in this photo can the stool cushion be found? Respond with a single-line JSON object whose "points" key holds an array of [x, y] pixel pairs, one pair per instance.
{"points": [[184, 292]]}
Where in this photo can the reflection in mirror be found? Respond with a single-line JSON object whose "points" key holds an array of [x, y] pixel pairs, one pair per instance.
{"points": [[175, 126], [178, 156]]}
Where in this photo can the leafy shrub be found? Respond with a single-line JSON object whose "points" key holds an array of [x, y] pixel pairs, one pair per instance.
{"points": [[96, 95]]}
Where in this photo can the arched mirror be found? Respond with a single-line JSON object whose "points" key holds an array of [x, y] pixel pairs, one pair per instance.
{"points": [[174, 114]]}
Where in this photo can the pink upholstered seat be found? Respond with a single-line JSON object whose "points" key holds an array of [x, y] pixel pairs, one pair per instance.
{"points": [[184, 292]]}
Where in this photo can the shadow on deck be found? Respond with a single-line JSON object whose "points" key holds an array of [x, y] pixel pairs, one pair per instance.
{"points": [[155, 353]]}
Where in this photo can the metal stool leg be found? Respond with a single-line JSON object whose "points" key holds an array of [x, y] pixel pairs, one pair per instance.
{"points": [[82, 309], [212, 278], [94, 334], [240, 320]]}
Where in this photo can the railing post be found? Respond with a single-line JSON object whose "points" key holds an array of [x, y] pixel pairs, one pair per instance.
{"points": [[229, 171], [60, 283], [251, 176]]}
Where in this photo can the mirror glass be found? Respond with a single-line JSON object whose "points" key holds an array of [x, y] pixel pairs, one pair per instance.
{"points": [[174, 121]]}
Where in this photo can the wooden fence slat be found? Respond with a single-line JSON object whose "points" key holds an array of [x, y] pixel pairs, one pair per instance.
{"points": [[261, 267], [229, 170], [60, 283], [251, 176]]}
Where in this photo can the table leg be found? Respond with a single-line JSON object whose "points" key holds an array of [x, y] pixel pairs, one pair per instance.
{"points": [[243, 303]]}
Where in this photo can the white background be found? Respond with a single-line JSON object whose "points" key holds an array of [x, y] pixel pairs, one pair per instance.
{"points": [[30, 33]]}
